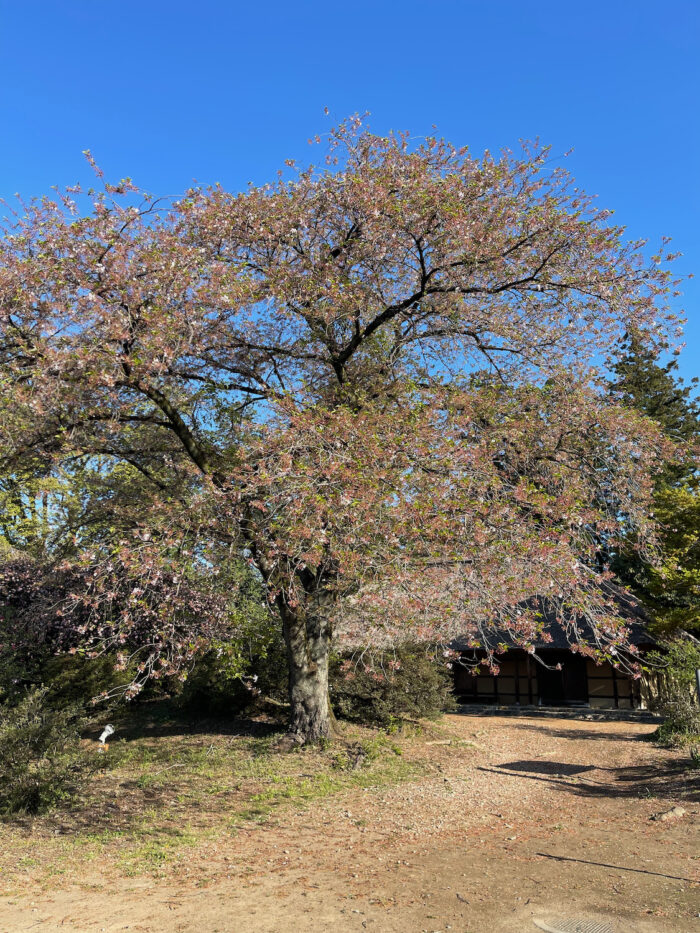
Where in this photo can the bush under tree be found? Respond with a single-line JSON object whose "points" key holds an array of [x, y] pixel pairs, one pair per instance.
{"points": [[678, 700], [41, 761], [411, 682]]}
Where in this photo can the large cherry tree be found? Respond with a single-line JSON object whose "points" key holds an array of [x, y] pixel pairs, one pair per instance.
{"points": [[376, 378]]}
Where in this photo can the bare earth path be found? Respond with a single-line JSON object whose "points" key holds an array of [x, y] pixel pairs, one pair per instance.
{"points": [[517, 820]]}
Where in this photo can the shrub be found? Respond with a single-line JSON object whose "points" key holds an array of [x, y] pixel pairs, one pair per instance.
{"points": [[678, 700], [214, 686], [41, 762], [409, 683], [224, 682], [681, 725], [73, 679]]}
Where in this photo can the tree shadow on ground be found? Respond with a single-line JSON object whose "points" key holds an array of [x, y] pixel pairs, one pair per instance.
{"points": [[239, 728], [557, 769], [575, 733], [163, 720], [674, 779], [549, 714], [640, 871]]}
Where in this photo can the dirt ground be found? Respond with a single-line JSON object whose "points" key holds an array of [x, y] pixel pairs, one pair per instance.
{"points": [[516, 820]]}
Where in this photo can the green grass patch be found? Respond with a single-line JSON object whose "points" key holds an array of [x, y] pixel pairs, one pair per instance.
{"points": [[382, 763]]}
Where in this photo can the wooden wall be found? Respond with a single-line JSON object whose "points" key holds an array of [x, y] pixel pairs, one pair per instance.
{"points": [[517, 684], [609, 688]]}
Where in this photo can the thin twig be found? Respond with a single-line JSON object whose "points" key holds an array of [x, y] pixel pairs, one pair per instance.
{"points": [[167, 769]]}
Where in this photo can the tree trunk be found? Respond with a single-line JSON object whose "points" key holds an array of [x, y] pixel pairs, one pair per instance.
{"points": [[307, 637]]}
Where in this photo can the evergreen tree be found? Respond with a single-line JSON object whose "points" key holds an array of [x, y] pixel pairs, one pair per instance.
{"points": [[670, 585], [657, 391]]}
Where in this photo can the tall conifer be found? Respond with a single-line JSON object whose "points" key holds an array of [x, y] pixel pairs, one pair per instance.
{"points": [[670, 585]]}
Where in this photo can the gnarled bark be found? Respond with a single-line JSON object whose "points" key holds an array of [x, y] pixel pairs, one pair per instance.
{"points": [[307, 637]]}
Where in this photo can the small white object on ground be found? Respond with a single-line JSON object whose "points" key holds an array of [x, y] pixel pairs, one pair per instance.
{"points": [[106, 732]]}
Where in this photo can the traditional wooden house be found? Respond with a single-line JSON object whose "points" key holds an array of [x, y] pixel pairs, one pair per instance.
{"points": [[579, 681]]}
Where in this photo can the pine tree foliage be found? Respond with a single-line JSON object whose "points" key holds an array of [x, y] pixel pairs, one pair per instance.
{"points": [[670, 585]]}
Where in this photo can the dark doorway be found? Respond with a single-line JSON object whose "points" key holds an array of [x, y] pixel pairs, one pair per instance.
{"points": [[565, 687], [575, 680], [550, 686]]}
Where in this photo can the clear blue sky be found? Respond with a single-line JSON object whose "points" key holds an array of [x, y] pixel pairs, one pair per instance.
{"points": [[222, 90]]}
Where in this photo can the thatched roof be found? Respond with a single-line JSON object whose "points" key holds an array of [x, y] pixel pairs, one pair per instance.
{"points": [[629, 609]]}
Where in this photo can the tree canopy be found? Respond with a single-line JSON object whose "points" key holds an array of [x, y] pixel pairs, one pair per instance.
{"points": [[377, 380]]}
